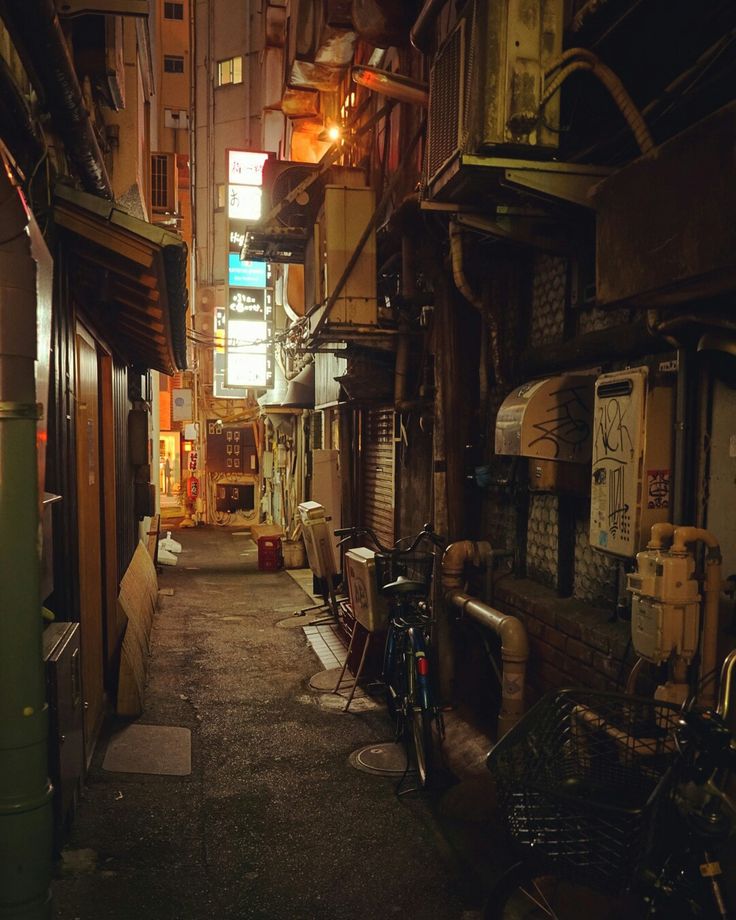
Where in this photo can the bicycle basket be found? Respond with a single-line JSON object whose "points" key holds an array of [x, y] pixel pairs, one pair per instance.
{"points": [[416, 566], [580, 780]]}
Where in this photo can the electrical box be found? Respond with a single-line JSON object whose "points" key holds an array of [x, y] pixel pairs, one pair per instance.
{"points": [[632, 459], [369, 607], [548, 419], [317, 539], [343, 219], [665, 609]]}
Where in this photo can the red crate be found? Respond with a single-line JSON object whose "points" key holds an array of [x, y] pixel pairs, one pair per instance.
{"points": [[270, 555]]}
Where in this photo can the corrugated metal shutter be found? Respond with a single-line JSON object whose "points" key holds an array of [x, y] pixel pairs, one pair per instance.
{"points": [[379, 473]]}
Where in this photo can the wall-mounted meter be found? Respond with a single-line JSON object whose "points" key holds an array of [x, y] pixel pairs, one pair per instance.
{"points": [[632, 460], [665, 610]]}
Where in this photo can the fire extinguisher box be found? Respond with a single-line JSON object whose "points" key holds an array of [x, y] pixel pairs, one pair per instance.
{"points": [[270, 555]]}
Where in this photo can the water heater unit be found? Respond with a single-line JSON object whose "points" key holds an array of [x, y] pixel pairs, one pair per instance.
{"points": [[632, 459]]}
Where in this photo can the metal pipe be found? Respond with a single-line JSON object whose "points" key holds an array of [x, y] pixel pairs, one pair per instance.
{"points": [[465, 288], [34, 25], [661, 535], [712, 590], [725, 691], [26, 822], [511, 631], [421, 30]]}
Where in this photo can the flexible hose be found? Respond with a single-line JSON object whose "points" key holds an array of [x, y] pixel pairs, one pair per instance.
{"points": [[582, 59]]}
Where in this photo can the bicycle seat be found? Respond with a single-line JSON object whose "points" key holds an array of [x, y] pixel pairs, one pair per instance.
{"points": [[404, 585]]}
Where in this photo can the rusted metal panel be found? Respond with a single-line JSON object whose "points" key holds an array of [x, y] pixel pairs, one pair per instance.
{"points": [[665, 222]]}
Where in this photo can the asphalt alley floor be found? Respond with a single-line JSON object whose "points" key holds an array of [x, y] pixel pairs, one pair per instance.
{"points": [[273, 823]]}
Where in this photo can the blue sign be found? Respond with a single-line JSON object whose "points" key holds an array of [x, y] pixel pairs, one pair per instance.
{"points": [[245, 274]]}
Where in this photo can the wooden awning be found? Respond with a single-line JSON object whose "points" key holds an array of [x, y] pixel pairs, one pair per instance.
{"points": [[131, 277]]}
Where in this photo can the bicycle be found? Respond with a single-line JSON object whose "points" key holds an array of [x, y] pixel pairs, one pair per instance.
{"points": [[618, 805], [404, 577]]}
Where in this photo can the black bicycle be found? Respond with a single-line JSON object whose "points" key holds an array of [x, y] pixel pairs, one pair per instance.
{"points": [[404, 576], [618, 806]]}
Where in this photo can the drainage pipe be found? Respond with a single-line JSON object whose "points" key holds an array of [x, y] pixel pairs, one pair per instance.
{"points": [[34, 24], [465, 288], [511, 631], [712, 588], [26, 822]]}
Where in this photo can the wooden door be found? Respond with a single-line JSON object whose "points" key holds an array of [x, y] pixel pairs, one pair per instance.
{"points": [[89, 536]]}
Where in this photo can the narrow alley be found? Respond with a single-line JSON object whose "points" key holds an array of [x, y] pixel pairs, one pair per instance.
{"points": [[273, 821]]}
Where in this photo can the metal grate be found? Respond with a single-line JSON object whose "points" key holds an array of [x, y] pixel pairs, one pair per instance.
{"points": [[446, 102], [580, 780], [160, 182]]}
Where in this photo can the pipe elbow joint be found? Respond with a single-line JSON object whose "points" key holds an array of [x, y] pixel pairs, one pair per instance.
{"points": [[661, 533], [514, 640]]}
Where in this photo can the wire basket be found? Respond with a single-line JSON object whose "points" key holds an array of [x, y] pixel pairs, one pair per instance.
{"points": [[580, 780], [416, 566]]}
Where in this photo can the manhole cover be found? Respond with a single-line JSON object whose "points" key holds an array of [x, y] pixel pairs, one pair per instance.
{"points": [[387, 758], [326, 681]]}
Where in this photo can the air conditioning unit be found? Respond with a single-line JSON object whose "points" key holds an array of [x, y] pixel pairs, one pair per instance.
{"points": [[369, 607], [317, 540], [632, 459], [486, 85]]}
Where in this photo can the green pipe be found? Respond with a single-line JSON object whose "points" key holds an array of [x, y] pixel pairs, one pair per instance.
{"points": [[26, 817]]}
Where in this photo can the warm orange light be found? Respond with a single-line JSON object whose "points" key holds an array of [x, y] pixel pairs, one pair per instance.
{"points": [[187, 446], [334, 133]]}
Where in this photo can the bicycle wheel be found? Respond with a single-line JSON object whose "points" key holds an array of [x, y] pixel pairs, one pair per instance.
{"points": [[423, 744], [531, 892]]}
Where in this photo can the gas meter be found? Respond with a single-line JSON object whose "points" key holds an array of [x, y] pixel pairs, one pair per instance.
{"points": [[665, 612]]}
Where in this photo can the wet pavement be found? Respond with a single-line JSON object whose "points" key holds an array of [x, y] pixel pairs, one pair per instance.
{"points": [[273, 823]]}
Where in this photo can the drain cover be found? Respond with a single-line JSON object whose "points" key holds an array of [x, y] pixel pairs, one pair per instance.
{"points": [[327, 680], [388, 758]]}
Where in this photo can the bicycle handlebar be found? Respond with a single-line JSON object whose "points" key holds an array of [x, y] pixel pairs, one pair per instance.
{"points": [[426, 533]]}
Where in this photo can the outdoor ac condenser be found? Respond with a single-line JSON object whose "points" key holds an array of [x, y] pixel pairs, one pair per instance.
{"points": [[317, 539], [486, 85]]}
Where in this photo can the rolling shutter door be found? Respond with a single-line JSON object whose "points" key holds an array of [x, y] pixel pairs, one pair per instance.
{"points": [[379, 471]]}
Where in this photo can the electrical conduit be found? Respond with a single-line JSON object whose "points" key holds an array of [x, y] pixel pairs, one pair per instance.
{"points": [[511, 631]]}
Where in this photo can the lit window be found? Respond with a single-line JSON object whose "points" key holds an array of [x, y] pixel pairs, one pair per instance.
{"points": [[230, 71], [173, 64], [173, 10]]}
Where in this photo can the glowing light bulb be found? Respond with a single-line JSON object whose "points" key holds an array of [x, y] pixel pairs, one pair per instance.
{"points": [[334, 133]]}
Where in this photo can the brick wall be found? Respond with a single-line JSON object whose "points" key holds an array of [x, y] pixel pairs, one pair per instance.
{"points": [[571, 643], [548, 300]]}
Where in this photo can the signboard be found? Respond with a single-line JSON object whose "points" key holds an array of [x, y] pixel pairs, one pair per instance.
{"points": [[181, 405], [245, 167], [219, 390], [245, 274], [244, 202], [247, 303], [248, 338]]}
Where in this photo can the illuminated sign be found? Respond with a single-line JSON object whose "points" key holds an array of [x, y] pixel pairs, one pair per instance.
{"points": [[244, 202], [219, 390], [245, 167], [245, 274], [249, 350], [247, 304]]}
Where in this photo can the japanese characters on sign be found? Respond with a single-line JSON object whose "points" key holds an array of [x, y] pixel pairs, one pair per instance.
{"points": [[245, 327]]}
